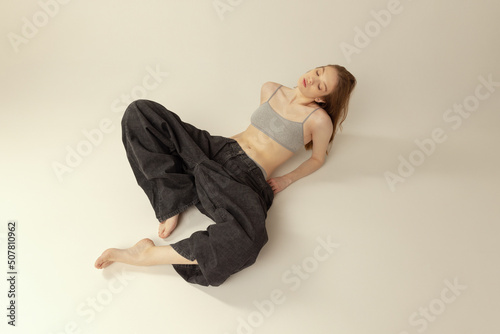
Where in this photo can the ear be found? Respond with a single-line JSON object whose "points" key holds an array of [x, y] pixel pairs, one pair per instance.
{"points": [[319, 100]]}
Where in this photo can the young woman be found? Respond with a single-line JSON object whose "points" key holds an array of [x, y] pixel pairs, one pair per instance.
{"points": [[178, 166]]}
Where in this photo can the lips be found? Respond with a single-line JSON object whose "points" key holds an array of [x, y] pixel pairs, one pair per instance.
{"points": [[305, 85]]}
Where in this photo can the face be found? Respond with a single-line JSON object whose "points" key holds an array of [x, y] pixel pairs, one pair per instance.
{"points": [[318, 82]]}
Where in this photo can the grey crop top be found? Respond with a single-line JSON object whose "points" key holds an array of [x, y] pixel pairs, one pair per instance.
{"points": [[289, 134]]}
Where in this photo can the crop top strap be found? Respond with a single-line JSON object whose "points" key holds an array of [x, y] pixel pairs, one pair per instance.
{"points": [[274, 93], [310, 115]]}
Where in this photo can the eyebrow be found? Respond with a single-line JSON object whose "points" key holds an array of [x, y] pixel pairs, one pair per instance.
{"points": [[326, 88]]}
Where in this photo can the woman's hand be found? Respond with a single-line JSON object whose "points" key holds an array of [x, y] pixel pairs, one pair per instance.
{"points": [[279, 183]]}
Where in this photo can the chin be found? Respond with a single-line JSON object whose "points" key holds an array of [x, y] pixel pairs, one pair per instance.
{"points": [[301, 89]]}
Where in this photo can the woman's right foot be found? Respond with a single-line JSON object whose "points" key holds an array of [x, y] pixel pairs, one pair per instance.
{"points": [[167, 226], [134, 255]]}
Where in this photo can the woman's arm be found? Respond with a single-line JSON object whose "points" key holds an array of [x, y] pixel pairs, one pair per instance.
{"points": [[321, 131]]}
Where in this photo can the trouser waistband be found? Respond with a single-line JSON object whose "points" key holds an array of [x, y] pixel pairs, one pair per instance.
{"points": [[258, 165]]}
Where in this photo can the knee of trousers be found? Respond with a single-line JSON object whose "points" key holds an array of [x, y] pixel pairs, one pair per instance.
{"points": [[142, 108], [134, 109]]}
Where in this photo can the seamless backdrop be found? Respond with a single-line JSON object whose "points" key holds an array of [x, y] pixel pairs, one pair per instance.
{"points": [[397, 232]]}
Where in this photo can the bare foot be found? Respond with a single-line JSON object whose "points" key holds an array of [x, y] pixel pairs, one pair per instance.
{"points": [[133, 255], [167, 226]]}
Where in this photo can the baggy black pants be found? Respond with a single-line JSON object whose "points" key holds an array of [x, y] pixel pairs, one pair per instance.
{"points": [[178, 165]]}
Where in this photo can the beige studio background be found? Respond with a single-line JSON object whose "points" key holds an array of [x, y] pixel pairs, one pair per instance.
{"points": [[396, 234]]}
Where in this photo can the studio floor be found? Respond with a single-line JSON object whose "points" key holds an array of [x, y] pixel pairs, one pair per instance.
{"points": [[396, 234]]}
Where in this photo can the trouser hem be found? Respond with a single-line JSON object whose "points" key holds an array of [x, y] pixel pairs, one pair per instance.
{"points": [[177, 211]]}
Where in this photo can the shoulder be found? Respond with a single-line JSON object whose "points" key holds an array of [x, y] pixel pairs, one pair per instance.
{"points": [[267, 89], [320, 121]]}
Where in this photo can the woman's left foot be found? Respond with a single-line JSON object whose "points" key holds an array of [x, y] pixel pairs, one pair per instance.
{"points": [[133, 255], [167, 226]]}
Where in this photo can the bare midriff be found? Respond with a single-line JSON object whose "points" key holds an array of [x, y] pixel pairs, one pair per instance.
{"points": [[261, 148]]}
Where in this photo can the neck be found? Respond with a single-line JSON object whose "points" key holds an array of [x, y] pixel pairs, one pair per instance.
{"points": [[298, 98]]}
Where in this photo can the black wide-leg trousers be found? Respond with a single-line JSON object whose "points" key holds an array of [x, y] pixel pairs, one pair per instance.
{"points": [[177, 166]]}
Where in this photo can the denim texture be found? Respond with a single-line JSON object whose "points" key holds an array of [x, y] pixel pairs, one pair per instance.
{"points": [[177, 166]]}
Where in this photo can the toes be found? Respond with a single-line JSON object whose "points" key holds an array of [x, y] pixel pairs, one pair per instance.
{"points": [[104, 260], [105, 264], [99, 264], [162, 233]]}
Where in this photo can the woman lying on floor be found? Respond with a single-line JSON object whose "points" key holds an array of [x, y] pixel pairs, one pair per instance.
{"points": [[178, 166]]}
